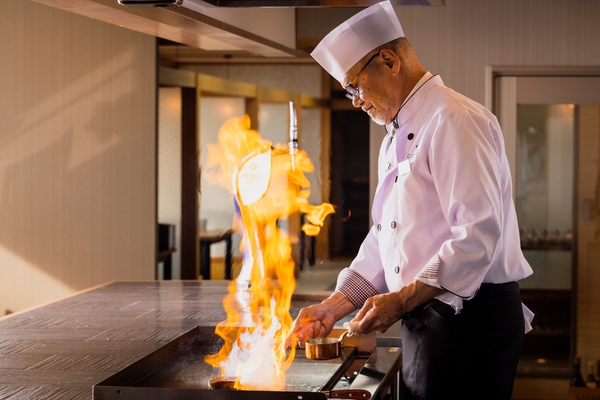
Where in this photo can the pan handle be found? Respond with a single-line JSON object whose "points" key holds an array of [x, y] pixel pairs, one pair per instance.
{"points": [[342, 336], [348, 394]]}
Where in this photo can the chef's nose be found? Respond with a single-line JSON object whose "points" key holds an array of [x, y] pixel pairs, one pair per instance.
{"points": [[357, 101]]}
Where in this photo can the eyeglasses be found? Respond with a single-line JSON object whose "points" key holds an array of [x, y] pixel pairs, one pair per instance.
{"points": [[351, 90]]}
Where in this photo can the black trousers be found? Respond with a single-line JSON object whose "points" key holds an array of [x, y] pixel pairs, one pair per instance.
{"points": [[472, 355]]}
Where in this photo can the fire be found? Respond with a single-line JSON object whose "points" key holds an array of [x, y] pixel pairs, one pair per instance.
{"points": [[268, 185]]}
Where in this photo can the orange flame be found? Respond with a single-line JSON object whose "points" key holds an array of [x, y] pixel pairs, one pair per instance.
{"points": [[268, 185]]}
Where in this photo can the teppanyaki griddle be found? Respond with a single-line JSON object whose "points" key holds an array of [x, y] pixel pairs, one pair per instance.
{"points": [[177, 371]]}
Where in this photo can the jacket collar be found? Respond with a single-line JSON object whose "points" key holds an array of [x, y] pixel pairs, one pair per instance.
{"points": [[415, 100]]}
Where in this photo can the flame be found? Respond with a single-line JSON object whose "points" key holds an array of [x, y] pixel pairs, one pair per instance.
{"points": [[268, 184]]}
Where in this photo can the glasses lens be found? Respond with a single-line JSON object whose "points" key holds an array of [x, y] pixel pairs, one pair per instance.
{"points": [[351, 92]]}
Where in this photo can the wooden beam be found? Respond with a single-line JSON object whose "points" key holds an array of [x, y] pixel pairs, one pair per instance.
{"points": [[176, 77], [223, 87]]}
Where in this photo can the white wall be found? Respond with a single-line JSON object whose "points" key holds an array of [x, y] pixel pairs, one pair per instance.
{"points": [[169, 168], [216, 205], [311, 142], [273, 122], [77, 154]]}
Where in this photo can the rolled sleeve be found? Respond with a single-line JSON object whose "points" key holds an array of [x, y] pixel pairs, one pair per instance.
{"points": [[429, 273], [356, 288]]}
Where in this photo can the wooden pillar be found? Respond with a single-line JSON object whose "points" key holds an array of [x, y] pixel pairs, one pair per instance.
{"points": [[587, 234], [252, 109], [322, 248], [190, 183]]}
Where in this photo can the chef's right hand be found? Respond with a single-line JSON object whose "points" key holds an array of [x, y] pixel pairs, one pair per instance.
{"points": [[313, 322], [318, 320]]}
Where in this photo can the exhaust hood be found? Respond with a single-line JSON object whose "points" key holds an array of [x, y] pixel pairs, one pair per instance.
{"points": [[278, 3], [263, 29]]}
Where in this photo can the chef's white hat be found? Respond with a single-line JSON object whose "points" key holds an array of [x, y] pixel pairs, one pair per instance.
{"points": [[347, 44]]}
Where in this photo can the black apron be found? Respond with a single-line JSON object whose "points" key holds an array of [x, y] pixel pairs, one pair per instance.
{"points": [[470, 355]]}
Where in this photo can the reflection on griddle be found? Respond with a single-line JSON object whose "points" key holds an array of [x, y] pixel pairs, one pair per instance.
{"points": [[371, 372]]}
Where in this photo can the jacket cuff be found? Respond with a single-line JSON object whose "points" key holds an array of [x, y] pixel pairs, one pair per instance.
{"points": [[356, 288], [430, 271]]}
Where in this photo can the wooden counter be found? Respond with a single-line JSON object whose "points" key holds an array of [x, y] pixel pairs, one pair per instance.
{"points": [[60, 350]]}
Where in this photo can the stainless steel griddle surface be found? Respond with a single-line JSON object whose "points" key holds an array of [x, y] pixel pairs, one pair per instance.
{"points": [[179, 369]]}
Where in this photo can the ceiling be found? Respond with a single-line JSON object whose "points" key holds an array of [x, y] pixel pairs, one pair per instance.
{"points": [[228, 31]]}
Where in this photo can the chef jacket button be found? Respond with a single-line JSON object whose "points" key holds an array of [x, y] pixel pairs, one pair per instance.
{"points": [[389, 165], [397, 269], [378, 227], [411, 136], [393, 224]]}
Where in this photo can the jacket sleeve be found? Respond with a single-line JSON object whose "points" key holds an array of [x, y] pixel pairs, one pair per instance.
{"points": [[368, 261], [465, 163]]}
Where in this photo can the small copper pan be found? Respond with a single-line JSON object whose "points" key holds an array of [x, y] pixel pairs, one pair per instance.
{"points": [[324, 348], [222, 383]]}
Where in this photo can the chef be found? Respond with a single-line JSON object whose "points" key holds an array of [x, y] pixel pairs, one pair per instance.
{"points": [[443, 254]]}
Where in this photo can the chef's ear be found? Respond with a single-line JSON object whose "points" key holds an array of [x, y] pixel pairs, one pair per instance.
{"points": [[391, 60]]}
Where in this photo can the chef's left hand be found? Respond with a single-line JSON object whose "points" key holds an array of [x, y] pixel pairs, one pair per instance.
{"points": [[379, 313], [383, 310]]}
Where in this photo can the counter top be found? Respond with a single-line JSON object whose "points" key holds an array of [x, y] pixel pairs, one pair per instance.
{"points": [[60, 350]]}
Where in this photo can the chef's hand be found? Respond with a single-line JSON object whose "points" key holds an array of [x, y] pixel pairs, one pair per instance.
{"points": [[379, 313], [312, 322], [382, 311], [317, 320]]}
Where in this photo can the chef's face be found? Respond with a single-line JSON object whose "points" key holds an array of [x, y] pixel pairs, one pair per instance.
{"points": [[367, 88]]}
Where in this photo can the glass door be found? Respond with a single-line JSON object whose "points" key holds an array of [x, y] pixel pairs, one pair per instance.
{"points": [[544, 188], [551, 127]]}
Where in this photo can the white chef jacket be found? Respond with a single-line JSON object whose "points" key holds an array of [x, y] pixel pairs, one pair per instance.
{"points": [[443, 211]]}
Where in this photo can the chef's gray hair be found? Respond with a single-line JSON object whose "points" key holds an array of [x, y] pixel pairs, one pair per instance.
{"points": [[400, 46], [404, 50]]}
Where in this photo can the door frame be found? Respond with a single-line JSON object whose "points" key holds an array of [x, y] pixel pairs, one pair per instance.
{"points": [[495, 102]]}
